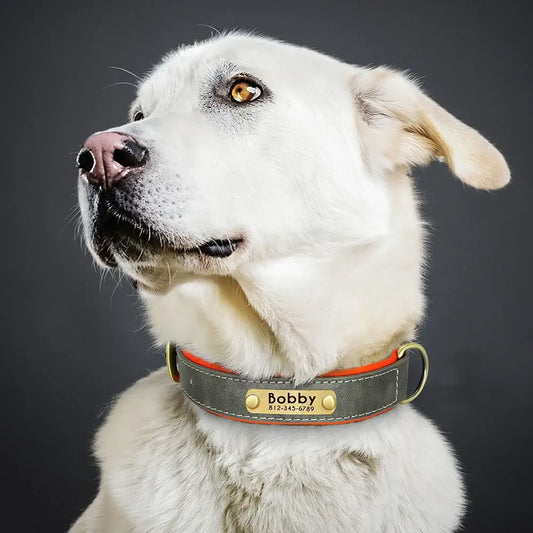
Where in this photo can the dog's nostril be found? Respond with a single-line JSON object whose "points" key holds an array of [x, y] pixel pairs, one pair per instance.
{"points": [[85, 160], [130, 154]]}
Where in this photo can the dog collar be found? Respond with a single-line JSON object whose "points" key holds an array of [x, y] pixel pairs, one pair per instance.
{"points": [[338, 397]]}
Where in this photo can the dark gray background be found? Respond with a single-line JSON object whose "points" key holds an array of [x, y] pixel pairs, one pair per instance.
{"points": [[72, 340]]}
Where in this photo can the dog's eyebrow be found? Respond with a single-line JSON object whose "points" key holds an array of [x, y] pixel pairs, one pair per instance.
{"points": [[224, 71], [228, 68]]}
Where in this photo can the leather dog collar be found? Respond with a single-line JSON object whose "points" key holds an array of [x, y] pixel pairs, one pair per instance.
{"points": [[338, 397]]}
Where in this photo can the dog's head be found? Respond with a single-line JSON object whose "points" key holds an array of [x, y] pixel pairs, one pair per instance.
{"points": [[278, 167]]}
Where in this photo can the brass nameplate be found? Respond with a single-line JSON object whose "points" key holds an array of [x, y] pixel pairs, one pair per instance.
{"points": [[291, 402]]}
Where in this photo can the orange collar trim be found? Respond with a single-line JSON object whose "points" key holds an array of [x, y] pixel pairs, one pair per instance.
{"points": [[393, 357]]}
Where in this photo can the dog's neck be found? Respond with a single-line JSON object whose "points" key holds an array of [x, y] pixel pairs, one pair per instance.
{"points": [[302, 315]]}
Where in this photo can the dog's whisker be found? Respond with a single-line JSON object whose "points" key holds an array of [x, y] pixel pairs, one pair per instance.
{"points": [[72, 214], [169, 274], [138, 78], [117, 284], [120, 83], [211, 28]]}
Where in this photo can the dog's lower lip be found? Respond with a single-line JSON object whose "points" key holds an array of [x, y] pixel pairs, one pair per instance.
{"points": [[117, 228], [218, 247]]}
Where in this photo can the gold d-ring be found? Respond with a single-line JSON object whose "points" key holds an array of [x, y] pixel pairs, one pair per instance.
{"points": [[402, 350], [172, 365]]}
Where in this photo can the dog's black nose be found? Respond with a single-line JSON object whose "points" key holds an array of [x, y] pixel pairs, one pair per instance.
{"points": [[108, 157]]}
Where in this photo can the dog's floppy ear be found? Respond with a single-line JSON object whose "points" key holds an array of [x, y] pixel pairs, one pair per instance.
{"points": [[401, 126]]}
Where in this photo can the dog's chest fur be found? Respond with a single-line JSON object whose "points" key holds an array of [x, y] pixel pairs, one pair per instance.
{"points": [[168, 466]]}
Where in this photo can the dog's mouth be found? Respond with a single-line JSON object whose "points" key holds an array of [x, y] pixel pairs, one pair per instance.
{"points": [[117, 233], [217, 247]]}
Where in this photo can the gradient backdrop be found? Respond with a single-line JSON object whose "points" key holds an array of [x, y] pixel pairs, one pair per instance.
{"points": [[71, 339]]}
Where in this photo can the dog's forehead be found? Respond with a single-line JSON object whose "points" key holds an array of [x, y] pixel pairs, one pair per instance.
{"points": [[259, 56]]}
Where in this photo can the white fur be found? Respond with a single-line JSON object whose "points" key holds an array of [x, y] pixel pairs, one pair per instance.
{"points": [[316, 180]]}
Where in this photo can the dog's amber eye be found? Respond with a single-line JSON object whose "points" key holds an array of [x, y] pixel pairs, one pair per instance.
{"points": [[245, 91], [139, 115]]}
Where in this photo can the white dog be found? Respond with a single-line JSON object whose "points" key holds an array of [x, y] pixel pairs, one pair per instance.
{"points": [[260, 197]]}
